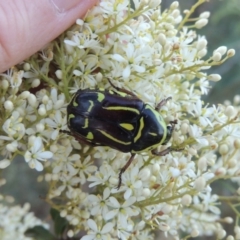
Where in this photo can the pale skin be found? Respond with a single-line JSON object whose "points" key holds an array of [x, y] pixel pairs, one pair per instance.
{"points": [[26, 26]]}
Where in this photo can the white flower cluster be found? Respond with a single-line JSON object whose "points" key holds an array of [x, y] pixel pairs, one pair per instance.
{"points": [[16, 220], [155, 55]]}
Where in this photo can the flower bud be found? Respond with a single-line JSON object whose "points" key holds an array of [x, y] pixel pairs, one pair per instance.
{"points": [[42, 110], [221, 233], [194, 233], [220, 171], [63, 213], [230, 111], [205, 15], [175, 13], [144, 174], [70, 233], [162, 39], [202, 164], [222, 50], [8, 105], [58, 104], [24, 95], [146, 192], [214, 77], [156, 168], [32, 100], [80, 22], [12, 147], [237, 230], [216, 56], [228, 220], [26, 67], [201, 44], [164, 227], [200, 183], [236, 99], [5, 84], [186, 200], [35, 83], [45, 99], [184, 128], [59, 74], [154, 3], [223, 149], [174, 5], [202, 53], [40, 127], [166, 209], [230, 52], [99, 77], [4, 163], [232, 163], [201, 23]]}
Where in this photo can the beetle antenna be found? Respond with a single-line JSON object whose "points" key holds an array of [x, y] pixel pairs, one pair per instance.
{"points": [[162, 103]]}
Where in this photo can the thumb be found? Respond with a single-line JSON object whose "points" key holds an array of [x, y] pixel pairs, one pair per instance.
{"points": [[26, 26]]}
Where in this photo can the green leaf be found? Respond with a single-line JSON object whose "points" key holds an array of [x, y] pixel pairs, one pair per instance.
{"points": [[39, 233], [60, 224]]}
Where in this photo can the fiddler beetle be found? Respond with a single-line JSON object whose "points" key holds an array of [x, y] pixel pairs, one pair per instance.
{"points": [[119, 119]]}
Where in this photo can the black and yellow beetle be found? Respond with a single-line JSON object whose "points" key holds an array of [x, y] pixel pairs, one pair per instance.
{"points": [[119, 119]]}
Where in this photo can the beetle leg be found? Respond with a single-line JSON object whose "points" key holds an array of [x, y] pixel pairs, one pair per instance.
{"points": [[165, 151], [122, 89], [162, 153], [162, 103], [65, 131], [173, 123], [124, 169]]}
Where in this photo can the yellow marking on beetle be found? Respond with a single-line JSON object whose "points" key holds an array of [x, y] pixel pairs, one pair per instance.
{"points": [[152, 133], [100, 96], [113, 138], [71, 116], [140, 130], [122, 94], [91, 106], [85, 123], [89, 136], [75, 104], [127, 126], [122, 108], [163, 125], [161, 122]]}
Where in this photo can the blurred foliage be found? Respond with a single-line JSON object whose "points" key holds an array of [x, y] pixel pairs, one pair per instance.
{"points": [[223, 29]]}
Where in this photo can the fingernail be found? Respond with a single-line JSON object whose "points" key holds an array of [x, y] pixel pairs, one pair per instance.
{"points": [[64, 5]]}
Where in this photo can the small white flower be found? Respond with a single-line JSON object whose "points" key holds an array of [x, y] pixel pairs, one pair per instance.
{"points": [[98, 233], [102, 176], [36, 153], [85, 168], [130, 182], [14, 126], [56, 123], [122, 211], [99, 203], [196, 133]]}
